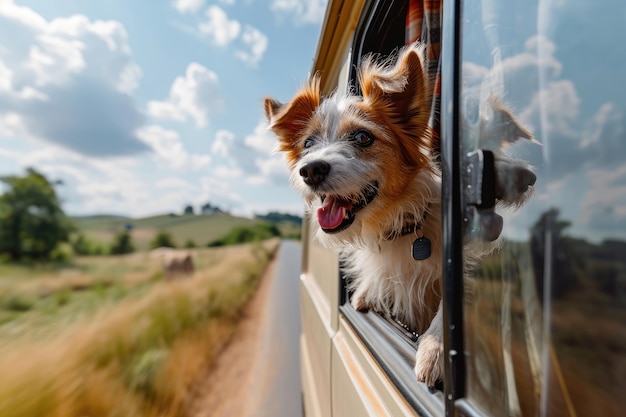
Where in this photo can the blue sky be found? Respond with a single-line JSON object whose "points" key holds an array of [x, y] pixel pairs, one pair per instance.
{"points": [[142, 107]]}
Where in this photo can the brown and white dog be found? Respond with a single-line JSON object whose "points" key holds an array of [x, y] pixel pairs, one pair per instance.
{"points": [[365, 166]]}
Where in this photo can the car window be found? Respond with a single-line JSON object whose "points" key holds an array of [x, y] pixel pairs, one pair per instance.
{"points": [[545, 314], [382, 31]]}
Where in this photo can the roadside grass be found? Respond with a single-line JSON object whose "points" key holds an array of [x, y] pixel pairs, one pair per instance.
{"points": [[136, 355]]}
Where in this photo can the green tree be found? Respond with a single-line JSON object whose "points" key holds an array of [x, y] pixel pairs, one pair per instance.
{"points": [[163, 239], [190, 244], [122, 243], [32, 222]]}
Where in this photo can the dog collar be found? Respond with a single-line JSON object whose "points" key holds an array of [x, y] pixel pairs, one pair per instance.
{"points": [[410, 226], [406, 230], [421, 248]]}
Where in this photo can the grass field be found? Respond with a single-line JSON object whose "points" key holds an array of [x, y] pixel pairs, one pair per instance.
{"points": [[201, 228], [107, 336]]}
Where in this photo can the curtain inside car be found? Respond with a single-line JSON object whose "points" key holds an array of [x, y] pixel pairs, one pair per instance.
{"points": [[423, 23]]}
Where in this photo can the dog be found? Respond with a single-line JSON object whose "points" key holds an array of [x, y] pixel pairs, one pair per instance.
{"points": [[366, 167]]}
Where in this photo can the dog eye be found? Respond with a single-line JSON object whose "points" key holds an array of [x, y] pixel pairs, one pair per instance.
{"points": [[309, 142], [363, 138]]}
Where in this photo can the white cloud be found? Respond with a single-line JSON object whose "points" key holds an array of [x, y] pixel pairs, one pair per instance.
{"points": [[12, 125], [256, 41], [23, 15], [607, 194], [262, 139], [169, 149], [6, 76], [130, 186], [218, 27], [220, 30], [188, 6], [265, 167], [271, 170], [300, 11], [91, 185], [559, 103], [228, 172], [176, 183], [252, 156], [223, 143], [196, 95], [219, 191], [69, 81], [67, 107]]}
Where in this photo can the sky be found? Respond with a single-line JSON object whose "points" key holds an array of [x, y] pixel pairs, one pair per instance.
{"points": [[143, 107]]}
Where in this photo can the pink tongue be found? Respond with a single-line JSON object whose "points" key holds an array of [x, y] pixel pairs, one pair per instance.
{"points": [[332, 212]]}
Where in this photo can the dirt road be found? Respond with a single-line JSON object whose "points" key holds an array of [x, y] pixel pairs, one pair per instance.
{"points": [[258, 374]]}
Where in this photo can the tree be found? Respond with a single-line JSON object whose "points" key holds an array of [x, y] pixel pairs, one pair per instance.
{"points": [[208, 208], [188, 209], [32, 222], [190, 244], [163, 239], [122, 244], [566, 255]]}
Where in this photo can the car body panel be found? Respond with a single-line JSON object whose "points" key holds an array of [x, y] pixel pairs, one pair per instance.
{"points": [[534, 344]]}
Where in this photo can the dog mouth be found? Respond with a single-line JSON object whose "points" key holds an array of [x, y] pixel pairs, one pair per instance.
{"points": [[338, 213]]}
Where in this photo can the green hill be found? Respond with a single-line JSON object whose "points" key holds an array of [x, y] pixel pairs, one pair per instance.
{"points": [[201, 228]]}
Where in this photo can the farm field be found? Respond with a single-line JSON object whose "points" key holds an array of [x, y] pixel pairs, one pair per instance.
{"points": [[201, 228], [107, 335]]}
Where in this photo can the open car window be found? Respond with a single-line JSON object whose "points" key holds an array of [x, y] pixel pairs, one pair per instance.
{"points": [[384, 27]]}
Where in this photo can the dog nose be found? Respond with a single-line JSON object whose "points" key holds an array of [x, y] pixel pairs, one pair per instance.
{"points": [[314, 172]]}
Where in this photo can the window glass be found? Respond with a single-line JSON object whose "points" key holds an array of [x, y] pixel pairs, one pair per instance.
{"points": [[542, 85]]}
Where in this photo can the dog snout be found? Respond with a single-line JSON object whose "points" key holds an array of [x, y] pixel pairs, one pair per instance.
{"points": [[315, 172]]}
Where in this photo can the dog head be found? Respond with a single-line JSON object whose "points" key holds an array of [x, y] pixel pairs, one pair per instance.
{"points": [[354, 159]]}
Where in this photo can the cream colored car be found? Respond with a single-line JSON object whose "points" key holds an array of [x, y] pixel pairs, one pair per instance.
{"points": [[544, 331]]}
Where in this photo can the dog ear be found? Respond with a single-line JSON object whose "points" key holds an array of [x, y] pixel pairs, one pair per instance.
{"points": [[288, 120], [403, 86], [402, 93], [272, 108]]}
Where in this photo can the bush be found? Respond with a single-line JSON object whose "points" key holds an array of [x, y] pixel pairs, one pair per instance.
{"points": [[19, 302], [61, 253], [163, 239], [190, 244], [122, 243], [243, 234], [83, 246], [62, 297]]}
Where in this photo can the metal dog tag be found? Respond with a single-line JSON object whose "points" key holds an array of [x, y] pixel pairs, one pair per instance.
{"points": [[421, 249]]}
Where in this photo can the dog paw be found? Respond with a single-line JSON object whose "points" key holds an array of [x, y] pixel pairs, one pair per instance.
{"points": [[358, 302], [429, 360]]}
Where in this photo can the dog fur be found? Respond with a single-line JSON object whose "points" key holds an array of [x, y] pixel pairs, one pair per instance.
{"points": [[365, 165]]}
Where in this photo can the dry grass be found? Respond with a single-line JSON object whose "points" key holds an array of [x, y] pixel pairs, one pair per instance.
{"points": [[137, 357]]}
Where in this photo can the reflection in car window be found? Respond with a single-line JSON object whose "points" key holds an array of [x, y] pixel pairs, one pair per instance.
{"points": [[546, 318]]}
